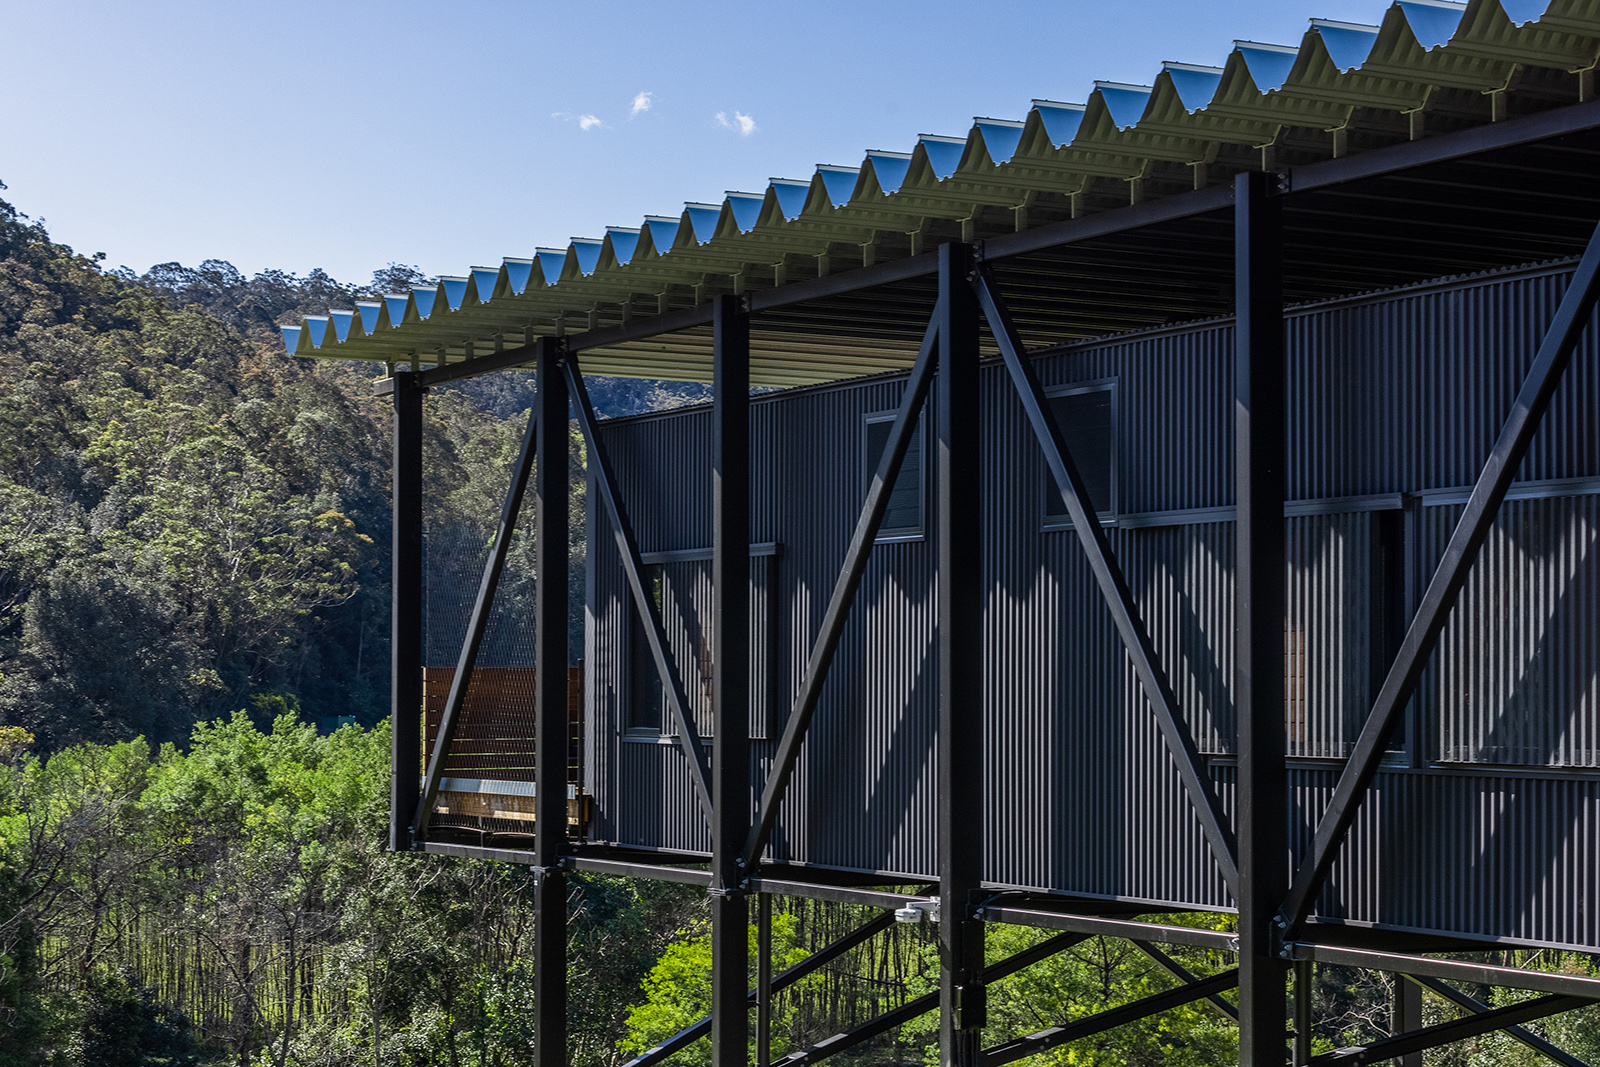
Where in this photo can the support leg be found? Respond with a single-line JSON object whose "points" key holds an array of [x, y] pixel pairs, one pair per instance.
{"points": [[962, 1007], [1405, 1016], [1304, 984], [405, 678], [1259, 609], [551, 656], [730, 698], [764, 980]]}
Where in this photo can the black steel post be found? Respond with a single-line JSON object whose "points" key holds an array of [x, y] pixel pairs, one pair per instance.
{"points": [[1405, 1015], [1305, 979], [550, 486], [1259, 610], [962, 1006], [405, 672], [730, 686], [764, 980]]}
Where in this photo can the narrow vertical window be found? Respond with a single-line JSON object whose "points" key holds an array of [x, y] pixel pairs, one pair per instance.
{"points": [[646, 702], [1087, 415], [903, 519]]}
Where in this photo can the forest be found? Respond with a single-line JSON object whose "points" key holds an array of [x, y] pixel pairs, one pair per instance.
{"points": [[194, 533]]}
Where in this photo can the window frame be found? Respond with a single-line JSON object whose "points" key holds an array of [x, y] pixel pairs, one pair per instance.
{"points": [[869, 467], [1109, 516], [764, 661]]}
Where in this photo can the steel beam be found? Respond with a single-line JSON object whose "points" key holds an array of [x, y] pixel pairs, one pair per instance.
{"points": [[1520, 1033], [1178, 970], [405, 625], [477, 625], [1455, 970], [605, 482], [1401, 1045], [1107, 1020], [1527, 411], [730, 685], [1220, 940], [837, 612], [690, 1034], [1260, 605], [921, 1005], [551, 495], [1113, 585], [959, 534]]}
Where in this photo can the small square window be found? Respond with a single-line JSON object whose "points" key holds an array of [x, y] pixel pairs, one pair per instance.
{"points": [[1087, 416], [903, 519]]}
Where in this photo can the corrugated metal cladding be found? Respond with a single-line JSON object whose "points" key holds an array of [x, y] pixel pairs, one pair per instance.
{"points": [[1394, 400]]}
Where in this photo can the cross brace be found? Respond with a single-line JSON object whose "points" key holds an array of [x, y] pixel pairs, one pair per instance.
{"points": [[628, 548]]}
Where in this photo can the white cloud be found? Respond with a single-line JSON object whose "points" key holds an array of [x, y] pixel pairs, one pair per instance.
{"points": [[585, 122], [641, 102], [740, 121]]}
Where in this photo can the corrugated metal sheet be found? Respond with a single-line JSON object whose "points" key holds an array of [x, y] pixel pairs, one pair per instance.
{"points": [[1083, 797], [1426, 66]]}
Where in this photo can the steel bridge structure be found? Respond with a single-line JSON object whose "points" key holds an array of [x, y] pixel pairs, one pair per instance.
{"points": [[1345, 194]]}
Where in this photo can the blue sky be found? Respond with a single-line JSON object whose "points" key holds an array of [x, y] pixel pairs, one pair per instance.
{"points": [[347, 135]]}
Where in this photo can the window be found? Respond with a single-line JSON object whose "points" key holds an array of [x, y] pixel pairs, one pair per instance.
{"points": [[1087, 415], [679, 583], [646, 709], [903, 519]]}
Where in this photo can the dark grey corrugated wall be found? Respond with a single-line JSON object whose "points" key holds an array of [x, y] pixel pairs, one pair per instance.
{"points": [[1487, 822]]}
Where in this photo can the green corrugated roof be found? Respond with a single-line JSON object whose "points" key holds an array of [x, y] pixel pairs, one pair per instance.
{"points": [[1429, 66]]}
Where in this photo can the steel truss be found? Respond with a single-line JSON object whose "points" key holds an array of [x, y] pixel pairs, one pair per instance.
{"points": [[1274, 938]]}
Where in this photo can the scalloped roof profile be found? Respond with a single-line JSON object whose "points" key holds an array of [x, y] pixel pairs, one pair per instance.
{"points": [[1193, 126]]}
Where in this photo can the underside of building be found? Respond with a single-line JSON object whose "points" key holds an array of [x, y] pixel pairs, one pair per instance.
{"points": [[1184, 502]]}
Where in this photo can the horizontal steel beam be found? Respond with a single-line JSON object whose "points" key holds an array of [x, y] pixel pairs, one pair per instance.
{"points": [[1445, 1033], [1457, 970], [920, 1005], [1179, 971], [871, 898], [625, 869], [1574, 118], [1128, 928], [690, 1034], [1520, 1033], [1107, 1020]]}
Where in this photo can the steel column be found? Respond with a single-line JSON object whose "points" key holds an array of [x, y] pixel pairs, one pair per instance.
{"points": [[763, 979], [1259, 609], [405, 627], [1516, 434], [730, 692], [477, 625], [1305, 977], [1405, 1015], [550, 708], [959, 506]]}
